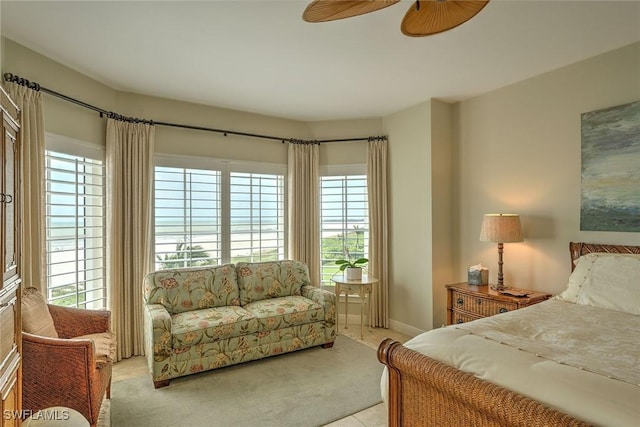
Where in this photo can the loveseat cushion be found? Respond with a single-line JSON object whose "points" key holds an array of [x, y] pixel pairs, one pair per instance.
{"points": [[185, 289], [211, 324], [261, 280], [282, 312]]}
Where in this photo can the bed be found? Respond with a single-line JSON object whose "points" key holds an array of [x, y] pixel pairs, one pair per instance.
{"points": [[573, 360]]}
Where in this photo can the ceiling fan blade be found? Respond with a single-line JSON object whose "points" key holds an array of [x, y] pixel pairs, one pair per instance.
{"points": [[432, 17], [330, 10]]}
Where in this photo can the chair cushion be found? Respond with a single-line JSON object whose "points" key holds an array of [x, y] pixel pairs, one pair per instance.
{"points": [[36, 318], [104, 344]]}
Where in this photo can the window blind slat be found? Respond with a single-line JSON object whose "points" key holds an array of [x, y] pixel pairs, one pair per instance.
{"points": [[189, 216], [75, 229], [344, 221]]}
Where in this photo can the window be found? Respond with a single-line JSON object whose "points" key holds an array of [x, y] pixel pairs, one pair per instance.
{"points": [[212, 212], [74, 224], [187, 217], [257, 217], [344, 221]]}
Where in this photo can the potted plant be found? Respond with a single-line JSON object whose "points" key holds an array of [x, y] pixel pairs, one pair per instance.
{"points": [[353, 268]]}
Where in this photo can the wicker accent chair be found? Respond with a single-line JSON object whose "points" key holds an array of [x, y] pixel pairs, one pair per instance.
{"points": [[67, 372]]}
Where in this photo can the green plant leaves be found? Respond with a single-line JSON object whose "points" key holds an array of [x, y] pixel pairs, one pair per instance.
{"points": [[344, 263]]}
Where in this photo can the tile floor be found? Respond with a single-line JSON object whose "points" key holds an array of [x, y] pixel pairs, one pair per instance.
{"points": [[375, 416]]}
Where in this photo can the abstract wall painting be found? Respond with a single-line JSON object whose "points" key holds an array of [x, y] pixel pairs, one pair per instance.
{"points": [[611, 169]]}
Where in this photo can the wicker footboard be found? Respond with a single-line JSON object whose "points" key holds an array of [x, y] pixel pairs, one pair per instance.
{"points": [[425, 392]]}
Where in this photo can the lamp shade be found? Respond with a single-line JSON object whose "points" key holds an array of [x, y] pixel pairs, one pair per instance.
{"points": [[501, 228]]}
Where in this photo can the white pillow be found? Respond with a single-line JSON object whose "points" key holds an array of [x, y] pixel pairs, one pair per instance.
{"points": [[605, 280], [577, 278]]}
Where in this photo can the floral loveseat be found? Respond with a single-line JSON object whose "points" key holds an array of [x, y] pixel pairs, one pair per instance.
{"points": [[202, 318]]}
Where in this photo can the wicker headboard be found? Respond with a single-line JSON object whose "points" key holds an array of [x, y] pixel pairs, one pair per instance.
{"points": [[578, 249]]}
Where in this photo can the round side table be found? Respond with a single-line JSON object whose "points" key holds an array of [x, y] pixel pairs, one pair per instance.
{"points": [[362, 287]]}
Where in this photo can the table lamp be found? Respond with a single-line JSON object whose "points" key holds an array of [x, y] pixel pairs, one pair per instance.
{"points": [[501, 228]]}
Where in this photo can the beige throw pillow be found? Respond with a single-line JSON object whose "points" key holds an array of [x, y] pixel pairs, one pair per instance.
{"points": [[36, 318]]}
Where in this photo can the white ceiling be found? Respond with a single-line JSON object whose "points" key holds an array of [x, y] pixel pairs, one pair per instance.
{"points": [[260, 56]]}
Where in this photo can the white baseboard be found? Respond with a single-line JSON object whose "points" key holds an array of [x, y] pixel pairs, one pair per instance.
{"points": [[404, 328], [352, 319], [355, 318]]}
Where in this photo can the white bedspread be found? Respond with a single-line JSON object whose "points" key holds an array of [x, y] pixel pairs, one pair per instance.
{"points": [[581, 360]]}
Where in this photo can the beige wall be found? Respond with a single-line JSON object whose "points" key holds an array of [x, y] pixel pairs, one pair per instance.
{"points": [[67, 119], [421, 195], [442, 215], [410, 279], [172, 140], [519, 151], [64, 118], [336, 153], [515, 149]]}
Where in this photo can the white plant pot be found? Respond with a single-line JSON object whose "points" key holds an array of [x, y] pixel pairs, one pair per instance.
{"points": [[354, 273]]}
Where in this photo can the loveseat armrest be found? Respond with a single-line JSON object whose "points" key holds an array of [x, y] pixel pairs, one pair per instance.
{"points": [[328, 301], [157, 331], [74, 322], [157, 343]]}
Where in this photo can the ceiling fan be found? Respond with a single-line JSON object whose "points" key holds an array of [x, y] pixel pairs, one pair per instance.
{"points": [[424, 18]]}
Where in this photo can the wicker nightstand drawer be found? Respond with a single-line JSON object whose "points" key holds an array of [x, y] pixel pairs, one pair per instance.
{"points": [[459, 317], [468, 302], [481, 306]]}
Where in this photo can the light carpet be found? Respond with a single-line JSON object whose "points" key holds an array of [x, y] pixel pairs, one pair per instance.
{"points": [[309, 387]]}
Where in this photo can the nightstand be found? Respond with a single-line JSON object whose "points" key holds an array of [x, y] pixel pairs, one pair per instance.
{"points": [[469, 302]]}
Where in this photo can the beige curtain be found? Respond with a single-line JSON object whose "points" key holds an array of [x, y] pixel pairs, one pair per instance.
{"points": [[377, 182], [130, 149], [32, 186], [304, 207]]}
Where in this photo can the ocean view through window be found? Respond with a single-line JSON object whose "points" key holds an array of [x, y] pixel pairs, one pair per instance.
{"points": [[225, 214], [75, 229], [187, 217], [257, 217]]}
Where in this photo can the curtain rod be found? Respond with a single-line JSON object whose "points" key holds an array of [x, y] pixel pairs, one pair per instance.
{"points": [[9, 77]]}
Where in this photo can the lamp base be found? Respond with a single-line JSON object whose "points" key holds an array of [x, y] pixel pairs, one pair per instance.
{"points": [[499, 287]]}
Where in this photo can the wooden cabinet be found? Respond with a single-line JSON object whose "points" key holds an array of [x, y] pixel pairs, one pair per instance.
{"points": [[10, 286], [469, 302]]}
